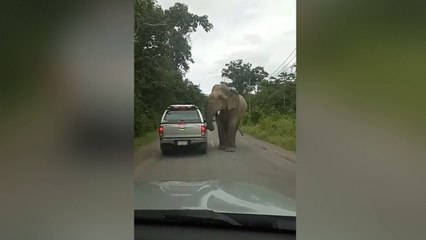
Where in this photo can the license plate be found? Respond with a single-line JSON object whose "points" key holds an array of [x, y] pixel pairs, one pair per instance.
{"points": [[180, 143]]}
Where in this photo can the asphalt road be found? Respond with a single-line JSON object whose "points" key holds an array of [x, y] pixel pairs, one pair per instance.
{"points": [[254, 162]]}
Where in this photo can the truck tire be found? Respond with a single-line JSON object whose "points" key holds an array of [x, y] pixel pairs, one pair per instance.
{"points": [[203, 148], [164, 150]]}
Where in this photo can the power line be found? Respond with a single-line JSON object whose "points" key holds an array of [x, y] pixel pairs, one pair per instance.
{"points": [[285, 68], [281, 64], [276, 70]]}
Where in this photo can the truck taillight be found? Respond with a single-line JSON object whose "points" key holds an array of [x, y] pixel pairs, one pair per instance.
{"points": [[161, 131], [203, 129]]}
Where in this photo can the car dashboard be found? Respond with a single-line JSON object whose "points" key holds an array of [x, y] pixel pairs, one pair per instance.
{"points": [[252, 227]]}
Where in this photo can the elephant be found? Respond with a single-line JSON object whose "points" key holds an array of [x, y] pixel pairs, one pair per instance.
{"points": [[232, 107]]}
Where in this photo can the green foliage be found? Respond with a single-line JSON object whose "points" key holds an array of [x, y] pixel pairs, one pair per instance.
{"points": [[277, 94], [162, 56], [275, 97], [145, 139], [243, 76], [245, 120], [256, 114], [273, 114], [277, 129]]}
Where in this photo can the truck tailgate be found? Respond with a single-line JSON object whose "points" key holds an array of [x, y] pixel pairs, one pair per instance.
{"points": [[182, 130]]}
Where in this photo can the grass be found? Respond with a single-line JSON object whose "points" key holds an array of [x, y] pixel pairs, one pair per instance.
{"points": [[146, 139], [279, 131]]}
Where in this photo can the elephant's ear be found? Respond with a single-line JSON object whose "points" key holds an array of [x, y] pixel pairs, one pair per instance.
{"points": [[233, 101]]}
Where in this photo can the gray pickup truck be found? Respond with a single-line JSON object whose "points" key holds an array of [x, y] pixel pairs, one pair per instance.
{"points": [[182, 125]]}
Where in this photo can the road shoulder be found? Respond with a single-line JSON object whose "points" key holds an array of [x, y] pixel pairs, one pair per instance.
{"points": [[143, 155], [282, 152]]}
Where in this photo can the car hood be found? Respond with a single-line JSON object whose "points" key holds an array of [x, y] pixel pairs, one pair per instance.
{"points": [[219, 196]]}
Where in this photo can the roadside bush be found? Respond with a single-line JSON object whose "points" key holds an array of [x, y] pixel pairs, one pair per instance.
{"points": [[277, 129], [256, 114], [275, 115], [245, 120]]}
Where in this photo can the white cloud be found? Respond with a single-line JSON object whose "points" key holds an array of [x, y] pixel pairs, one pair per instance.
{"points": [[260, 32]]}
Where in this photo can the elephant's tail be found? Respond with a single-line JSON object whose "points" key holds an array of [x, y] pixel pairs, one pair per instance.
{"points": [[240, 132]]}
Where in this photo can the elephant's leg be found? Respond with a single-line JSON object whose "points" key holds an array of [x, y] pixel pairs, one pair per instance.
{"points": [[221, 133], [235, 134], [232, 132]]}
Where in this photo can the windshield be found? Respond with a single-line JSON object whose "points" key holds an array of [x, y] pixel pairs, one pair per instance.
{"points": [[182, 116], [190, 65]]}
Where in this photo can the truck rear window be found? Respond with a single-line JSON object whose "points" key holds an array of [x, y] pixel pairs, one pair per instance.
{"points": [[189, 116]]}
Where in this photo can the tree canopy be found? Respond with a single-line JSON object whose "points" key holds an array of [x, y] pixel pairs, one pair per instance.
{"points": [[162, 57], [272, 95], [243, 76], [277, 94]]}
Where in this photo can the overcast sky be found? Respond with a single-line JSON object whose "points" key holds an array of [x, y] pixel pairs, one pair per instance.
{"points": [[260, 32]]}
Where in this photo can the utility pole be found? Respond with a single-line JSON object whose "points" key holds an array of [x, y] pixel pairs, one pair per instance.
{"points": [[284, 97], [249, 95]]}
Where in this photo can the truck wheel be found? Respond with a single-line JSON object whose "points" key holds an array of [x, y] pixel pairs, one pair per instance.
{"points": [[164, 149], [203, 148]]}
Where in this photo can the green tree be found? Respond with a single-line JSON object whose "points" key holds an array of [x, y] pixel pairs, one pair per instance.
{"points": [[277, 94], [162, 56], [243, 76], [272, 117]]}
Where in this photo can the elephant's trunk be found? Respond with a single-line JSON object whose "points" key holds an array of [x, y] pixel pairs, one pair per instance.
{"points": [[212, 109]]}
